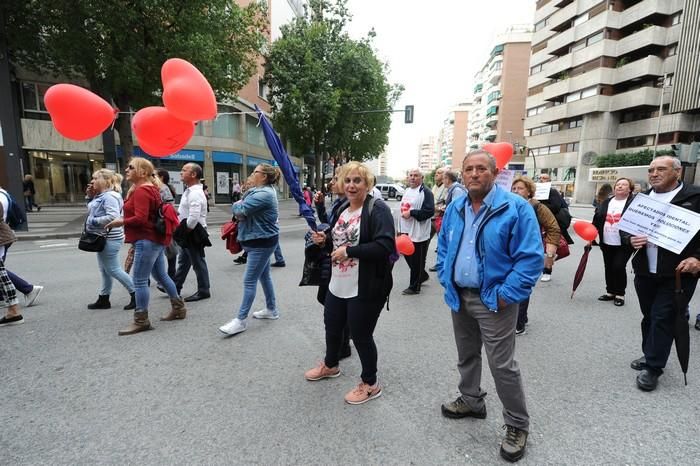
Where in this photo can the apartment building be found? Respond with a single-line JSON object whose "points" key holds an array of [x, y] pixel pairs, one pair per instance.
{"points": [[600, 72], [228, 148], [452, 141], [500, 91], [428, 154]]}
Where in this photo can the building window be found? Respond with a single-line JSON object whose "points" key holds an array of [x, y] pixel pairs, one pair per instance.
{"points": [[582, 94], [536, 69], [544, 130], [572, 147], [536, 110], [541, 24], [676, 19], [595, 38], [33, 96], [225, 126], [638, 141], [577, 123], [263, 90], [672, 50]]}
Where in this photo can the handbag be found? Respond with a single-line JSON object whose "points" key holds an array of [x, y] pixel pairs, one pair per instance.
{"points": [[563, 249], [91, 242]]}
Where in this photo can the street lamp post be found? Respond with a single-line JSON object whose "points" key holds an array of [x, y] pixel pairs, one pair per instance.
{"points": [[661, 111]]}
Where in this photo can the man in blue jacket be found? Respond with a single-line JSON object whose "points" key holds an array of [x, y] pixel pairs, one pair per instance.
{"points": [[489, 257]]}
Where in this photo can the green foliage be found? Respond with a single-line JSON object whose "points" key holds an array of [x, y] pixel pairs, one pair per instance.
{"points": [[629, 159], [119, 46], [320, 79]]}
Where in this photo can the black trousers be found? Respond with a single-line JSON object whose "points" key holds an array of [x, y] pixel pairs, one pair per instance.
{"points": [[416, 264], [361, 316], [656, 300], [615, 259]]}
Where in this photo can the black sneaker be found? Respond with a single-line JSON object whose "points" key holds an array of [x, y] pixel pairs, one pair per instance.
{"points": [[458, 409], [240, 260], [14, 320], [513, 446], [520, 330], [278, 264]]}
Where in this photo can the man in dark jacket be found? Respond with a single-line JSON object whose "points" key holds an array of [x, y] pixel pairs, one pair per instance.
{"points": [[655, 269], [417, 208]]}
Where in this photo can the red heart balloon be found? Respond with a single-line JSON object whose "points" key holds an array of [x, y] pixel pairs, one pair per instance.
{"points": [[502, 151], [77, 113], [585, 230], [404, 245], [186, 92], [159, 133]]}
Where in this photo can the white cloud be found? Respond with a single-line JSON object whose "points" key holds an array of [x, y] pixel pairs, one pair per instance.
{"points": [[434, 49]]}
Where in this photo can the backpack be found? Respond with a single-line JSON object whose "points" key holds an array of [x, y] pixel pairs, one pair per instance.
{"points": [[167, 219], [15, 215]]}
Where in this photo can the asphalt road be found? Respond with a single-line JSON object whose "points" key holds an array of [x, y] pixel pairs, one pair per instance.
{"points": [[76, 393]]}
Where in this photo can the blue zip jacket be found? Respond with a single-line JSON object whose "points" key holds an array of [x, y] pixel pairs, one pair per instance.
{"points": [[259, 207], [508, 248]]}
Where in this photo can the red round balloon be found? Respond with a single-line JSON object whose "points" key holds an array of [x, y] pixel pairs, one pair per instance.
{"points": [[404, 245], [585, 230], [186, 92], [502, 151], [159, 133], [77, 113]]}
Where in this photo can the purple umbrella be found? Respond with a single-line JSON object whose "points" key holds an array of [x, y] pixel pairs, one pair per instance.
{"points": [[285, 165]]}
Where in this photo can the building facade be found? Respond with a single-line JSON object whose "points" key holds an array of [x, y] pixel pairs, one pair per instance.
{"points": [[452, 142], [500, 91], [602, 75], [428, 157], [228, 148]]}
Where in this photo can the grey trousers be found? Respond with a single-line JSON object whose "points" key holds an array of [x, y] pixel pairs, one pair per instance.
{"points": [[474, 325]]}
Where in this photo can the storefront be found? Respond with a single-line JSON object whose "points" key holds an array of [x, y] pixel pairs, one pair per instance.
{"points": [[228, 169], [62, 177]]}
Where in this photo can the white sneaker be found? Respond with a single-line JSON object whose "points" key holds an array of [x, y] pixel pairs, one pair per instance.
{"points": [[235, 326], [266, 314], [546, 277], [30, 297]]}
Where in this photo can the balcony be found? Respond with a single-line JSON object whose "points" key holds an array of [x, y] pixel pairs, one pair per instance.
{"points": [[597, 103], [582, 81], [647, 8], [41, 135], [492, 110], [649, 66], [495, 95], [552, 139], [655, 35], [637, 97], [669, 124], [495, 73]]}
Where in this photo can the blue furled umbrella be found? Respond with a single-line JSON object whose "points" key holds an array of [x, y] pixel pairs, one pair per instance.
{"points": [[280, 155]]}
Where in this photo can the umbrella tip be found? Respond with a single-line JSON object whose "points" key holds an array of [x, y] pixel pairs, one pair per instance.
{"points": [[685, 378]]}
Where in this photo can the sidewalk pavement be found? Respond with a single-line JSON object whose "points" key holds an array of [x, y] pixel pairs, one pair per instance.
{"points": [[63, 222]]}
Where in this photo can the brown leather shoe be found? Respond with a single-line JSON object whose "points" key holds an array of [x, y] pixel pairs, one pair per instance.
{"points": [[177, 312], [140, 324]]}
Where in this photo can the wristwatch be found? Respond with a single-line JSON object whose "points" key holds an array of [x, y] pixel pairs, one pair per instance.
{"points": [[551, 256]]}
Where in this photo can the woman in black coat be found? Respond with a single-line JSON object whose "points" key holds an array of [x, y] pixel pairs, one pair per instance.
{"points": [[615, 255], [360, 242]]}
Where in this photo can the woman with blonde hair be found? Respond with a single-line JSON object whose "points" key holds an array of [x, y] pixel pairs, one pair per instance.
{"points": [[105, 206], [360, 243], [140, 213]]}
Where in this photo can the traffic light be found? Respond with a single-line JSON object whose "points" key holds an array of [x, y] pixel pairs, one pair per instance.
{"points": [[408, 114]]}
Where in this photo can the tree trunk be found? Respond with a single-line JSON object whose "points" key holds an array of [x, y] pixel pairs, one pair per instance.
{"points": [[318, 162], [123, 126]]}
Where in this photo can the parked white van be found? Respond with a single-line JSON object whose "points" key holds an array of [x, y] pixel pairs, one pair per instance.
{"points": [[390, 191]]}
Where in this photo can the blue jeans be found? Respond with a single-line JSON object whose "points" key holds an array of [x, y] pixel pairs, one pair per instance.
{"points": [[257, 268], [278, 254], [193, 258], [108, 263], [149, 258]]}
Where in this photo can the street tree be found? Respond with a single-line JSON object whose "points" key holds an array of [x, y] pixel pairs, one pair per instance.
{"points": [[116, 48], [322, 85]]}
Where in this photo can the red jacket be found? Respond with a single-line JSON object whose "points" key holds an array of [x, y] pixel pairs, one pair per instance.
{"points": [[140, 210]]}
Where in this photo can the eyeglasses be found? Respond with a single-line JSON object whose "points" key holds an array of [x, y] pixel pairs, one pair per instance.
{"points": [[130, 167]]}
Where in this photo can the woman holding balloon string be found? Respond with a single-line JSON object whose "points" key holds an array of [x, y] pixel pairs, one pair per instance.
{"points": [[360, 243], [615, 256], [525, 187]]}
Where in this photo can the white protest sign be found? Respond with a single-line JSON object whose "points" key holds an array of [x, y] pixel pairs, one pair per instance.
{"points": [[176, 182], [665, 225], [542, 191], [504, 179]]}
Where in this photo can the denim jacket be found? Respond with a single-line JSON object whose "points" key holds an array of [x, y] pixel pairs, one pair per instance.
{"points": [[102, 209], [257, 214], [508, 248]]}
